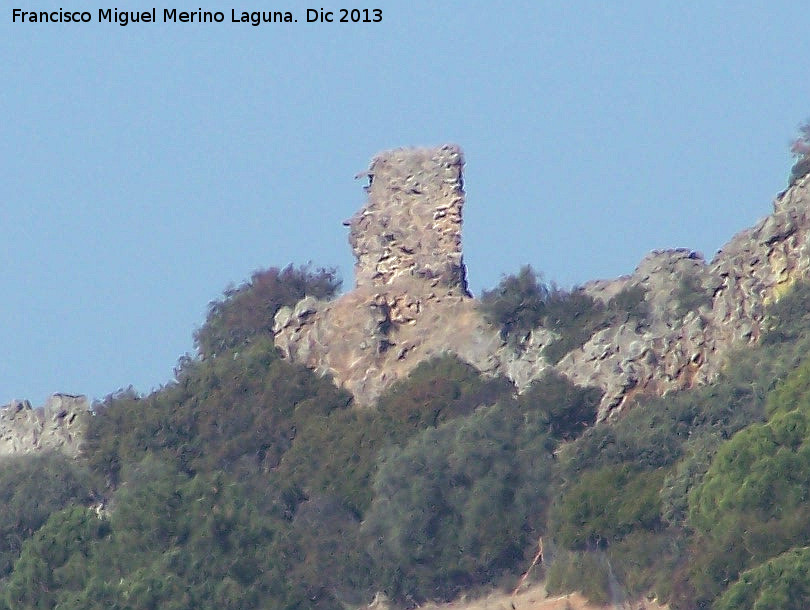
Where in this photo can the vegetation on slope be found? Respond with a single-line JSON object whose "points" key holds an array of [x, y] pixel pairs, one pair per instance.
{"points": [[523, 302], [249, 482], [248, 310]]}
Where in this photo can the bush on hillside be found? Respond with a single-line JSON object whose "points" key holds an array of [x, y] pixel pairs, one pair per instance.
{"points": [[454, 508], [32, 487], [575, 316], [436, 391], [517, 304], [249, 309], [565, 410], [603, 506], [751, 504], [783, 583], [207, 542], [522, 302], [220, 414], [53, 570], [763, 472], [336, 455]]}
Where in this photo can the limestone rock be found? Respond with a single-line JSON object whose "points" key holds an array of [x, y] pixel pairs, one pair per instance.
{"points": [[411, 302], [685, 348], [58, 426]]}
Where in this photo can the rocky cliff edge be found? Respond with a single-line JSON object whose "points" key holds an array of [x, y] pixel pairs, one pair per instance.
{"points": [[410, 301]]}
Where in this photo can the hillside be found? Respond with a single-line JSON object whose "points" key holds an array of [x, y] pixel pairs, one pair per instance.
{"points": [[405, 445]]}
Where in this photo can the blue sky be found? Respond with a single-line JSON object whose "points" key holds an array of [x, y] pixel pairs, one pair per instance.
{"points": [[144, 168]]}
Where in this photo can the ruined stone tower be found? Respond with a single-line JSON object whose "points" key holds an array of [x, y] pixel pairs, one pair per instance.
{"points": [[410, 300], [411, 225]]}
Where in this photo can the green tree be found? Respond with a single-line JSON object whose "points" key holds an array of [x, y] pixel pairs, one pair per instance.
{"points": [[171, 541], [249, 309], [517, 304], [335, 454], [751, 505], [565, 409], [522, 302], [575, 316], [783, 583], [32, 487], [455, 506], [605, 505], [436, 391], [242, 412], [52, 566]]}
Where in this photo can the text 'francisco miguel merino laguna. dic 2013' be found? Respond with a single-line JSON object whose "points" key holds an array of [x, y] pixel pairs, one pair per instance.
{"points": [[172, 15]]}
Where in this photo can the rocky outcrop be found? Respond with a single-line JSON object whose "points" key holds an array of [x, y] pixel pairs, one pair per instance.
{"points": [[58, 426], [411, 301], [697, 310]]}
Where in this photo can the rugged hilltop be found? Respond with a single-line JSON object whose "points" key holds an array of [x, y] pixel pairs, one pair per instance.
{"points": [[265, 486], [410, 300], [410, 303]]}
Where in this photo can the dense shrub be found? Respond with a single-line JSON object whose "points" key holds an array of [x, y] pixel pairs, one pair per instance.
{"points": [[455, 506], [687, 473], [170, 542], [751, 504], [222, 413], [783, 583], [328, 558], [205, 536], [575, 316], [249, 310], [337, 453], [53, 570], [517, 304], [31, 489], [763, 472], [522, 302], [336, 457], [605, 505], [437, 391], [565, 410]]}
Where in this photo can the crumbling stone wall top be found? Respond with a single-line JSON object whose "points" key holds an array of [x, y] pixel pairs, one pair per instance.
{"points": [[411, 225], [58, 426]]}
